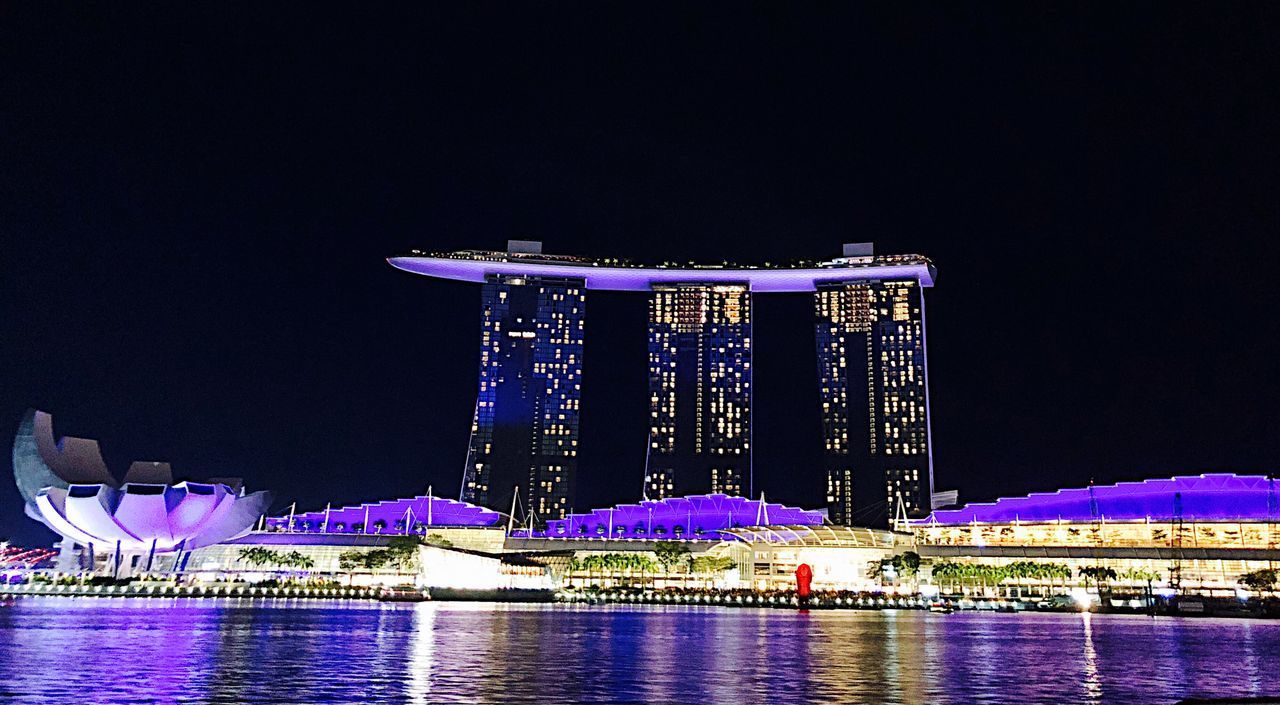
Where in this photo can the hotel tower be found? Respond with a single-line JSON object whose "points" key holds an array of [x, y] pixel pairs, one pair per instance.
{"points": [[875, 399], [524, 435], [872, 375], [699, 390]]}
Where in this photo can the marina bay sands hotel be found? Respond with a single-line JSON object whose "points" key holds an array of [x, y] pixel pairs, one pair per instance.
{"points": [[872, 374]]}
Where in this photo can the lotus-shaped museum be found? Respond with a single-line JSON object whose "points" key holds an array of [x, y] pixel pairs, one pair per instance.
{"points": [[66, 486]]}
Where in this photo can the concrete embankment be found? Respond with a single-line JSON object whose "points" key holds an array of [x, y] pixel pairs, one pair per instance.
{"points": [[167, 591]]}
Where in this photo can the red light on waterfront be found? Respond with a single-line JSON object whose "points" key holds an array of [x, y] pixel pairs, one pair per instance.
{"points": [[804, 575]]}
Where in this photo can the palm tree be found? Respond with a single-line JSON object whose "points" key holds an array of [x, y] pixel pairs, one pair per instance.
{"points": [[1099, 574], [944, 571], [258, 556], [301, 561]]}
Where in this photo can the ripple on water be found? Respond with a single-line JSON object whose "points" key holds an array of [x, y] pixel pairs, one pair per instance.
{"points": [[293, 651]]}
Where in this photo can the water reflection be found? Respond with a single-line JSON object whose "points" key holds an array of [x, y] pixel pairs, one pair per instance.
{"points": [[1092, 684], [232, 651], [422, 656]]}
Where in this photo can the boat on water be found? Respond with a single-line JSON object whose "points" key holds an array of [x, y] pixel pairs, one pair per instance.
{"points": [[403, 593]]}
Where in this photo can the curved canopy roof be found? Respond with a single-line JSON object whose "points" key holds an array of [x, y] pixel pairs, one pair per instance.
{"points": [[696, 516], [146, 517], [389, 517], [824, 536], [474, 266], [1210, 497]]}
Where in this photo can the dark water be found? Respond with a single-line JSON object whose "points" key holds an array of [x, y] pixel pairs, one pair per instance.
{"points": [[55, 650]]}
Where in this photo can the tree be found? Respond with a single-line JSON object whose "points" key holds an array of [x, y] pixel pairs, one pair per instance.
{"points": [[900, 567], [1260, 581], [1138, 575], [909, 563], [438, 540], [1099, 574], [297, 560], [259, 556], [252, 555], [349, 561], [670, 553], [402, 551], [708, 566]]}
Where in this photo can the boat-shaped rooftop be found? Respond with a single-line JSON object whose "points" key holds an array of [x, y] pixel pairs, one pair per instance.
{"points": [[528, 260]]}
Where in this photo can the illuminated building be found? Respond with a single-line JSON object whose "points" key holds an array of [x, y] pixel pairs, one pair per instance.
{"points": [[700, 386], [699, 390], [120, 527], [697, 517], [412, 515], [1199, 531], [325, 535], [875, 401], [525, 431]]}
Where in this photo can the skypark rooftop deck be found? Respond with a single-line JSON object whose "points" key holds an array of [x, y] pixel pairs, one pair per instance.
{"points": [[622, 275]]}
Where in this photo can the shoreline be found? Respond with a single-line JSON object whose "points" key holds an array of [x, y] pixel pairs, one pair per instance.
{"points": [[168, 591], [1199, 607]]}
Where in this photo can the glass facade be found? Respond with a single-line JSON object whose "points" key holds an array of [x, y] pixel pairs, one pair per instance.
{"points": [[524, 436], [875, 409], [699, 390], [1192, 531]]}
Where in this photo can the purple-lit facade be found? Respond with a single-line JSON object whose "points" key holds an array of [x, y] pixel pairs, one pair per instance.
{"points": [[416, 515], [694, 517], [1200, 498], [1187, 532]]}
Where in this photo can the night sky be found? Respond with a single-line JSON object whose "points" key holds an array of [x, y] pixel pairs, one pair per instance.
{"points": [[196, 201]]}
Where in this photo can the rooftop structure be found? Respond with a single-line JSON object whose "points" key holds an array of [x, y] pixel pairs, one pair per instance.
{"points": [[699, 391], [524, 433], [873, 380], [398, 516], [1203, 498], [622, 275], [694, 517]]}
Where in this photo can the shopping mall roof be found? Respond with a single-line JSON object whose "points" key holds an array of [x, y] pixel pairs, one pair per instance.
{"points": [[692, 517], [1209, 497], [417, 514]]}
